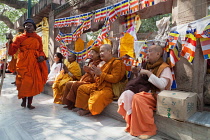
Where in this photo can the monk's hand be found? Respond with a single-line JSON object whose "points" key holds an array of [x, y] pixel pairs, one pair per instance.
{"points": [[135, 69], [96, 70], [146, 72], [87, 69], [40, 59]]}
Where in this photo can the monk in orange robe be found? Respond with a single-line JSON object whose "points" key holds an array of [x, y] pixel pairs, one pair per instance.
{"points": [[70, 92], [31, 67], [137, 108], [71, 72], [93, 98]]}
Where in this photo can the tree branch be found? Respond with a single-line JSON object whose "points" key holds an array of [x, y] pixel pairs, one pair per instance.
{"points": [[15, 3], [7, 21]]}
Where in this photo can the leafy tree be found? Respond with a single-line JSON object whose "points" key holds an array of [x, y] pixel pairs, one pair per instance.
{"points": [[149, 25], [10, 11]]}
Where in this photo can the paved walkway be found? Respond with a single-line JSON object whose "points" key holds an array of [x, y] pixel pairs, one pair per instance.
{"points": [[52, 122]]}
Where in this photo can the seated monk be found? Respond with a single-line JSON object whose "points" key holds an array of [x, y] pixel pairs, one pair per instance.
{"points": [[71, 72], [69, 96], [93, 98], [139, 118]]}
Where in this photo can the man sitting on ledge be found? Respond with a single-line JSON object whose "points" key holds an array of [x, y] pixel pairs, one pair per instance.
{"points": [[93, 98], [139, 118]]}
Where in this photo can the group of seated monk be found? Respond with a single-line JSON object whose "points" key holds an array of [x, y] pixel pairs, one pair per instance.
{"points": [[91, 93]]}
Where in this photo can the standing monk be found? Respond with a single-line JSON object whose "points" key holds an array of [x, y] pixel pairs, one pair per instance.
{"points": [[71, 72], [70, 92], [93, 98], [139, 118], [31, 67]]}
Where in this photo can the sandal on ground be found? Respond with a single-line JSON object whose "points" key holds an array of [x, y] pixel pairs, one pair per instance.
{"points": [[144, 137]]}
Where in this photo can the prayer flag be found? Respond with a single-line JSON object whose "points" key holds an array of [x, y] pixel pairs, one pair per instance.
{"points": [[103, 13], [205, 45], [134, 6], [117, 8], [206, 32], [124, 7], [188, 46], [112, 15], [97, 15]]}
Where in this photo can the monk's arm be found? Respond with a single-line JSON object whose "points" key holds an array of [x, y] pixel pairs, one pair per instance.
{"points": [[41, 52], [13, 47], [117, 73], [162, 82]]}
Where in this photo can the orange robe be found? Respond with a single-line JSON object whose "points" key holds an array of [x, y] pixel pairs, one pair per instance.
{"points": [[95, 97], [63, 78], [70, 92], [31, 75], [12, 63], [141, 120]]}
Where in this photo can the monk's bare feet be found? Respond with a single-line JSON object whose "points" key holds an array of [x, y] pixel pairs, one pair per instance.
{"points": [[30, 107], [76, 109], [23, 104], [144, 137], [88, 115], [83, 112], [126, 131]]}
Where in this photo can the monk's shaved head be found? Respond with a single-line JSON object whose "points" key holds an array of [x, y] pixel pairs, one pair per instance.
{"points": [[107, 47], [154, 53], [158, 48], [106, 52]]}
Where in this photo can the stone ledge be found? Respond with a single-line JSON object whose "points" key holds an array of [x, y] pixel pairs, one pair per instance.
{"points": [[196, 128]]}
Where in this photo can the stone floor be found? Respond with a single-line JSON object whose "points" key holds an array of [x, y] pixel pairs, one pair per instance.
{"points": [[52, 122]]}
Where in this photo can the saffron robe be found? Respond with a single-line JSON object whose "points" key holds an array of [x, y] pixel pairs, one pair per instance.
{"points": [[63, 78], [141, 120], [70, 92], [31, 74], [96, 96]]}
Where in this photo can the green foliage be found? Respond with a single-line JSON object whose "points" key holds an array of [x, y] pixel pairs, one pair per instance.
{"points": [[13, 14], [149, 25], [92, 35]]}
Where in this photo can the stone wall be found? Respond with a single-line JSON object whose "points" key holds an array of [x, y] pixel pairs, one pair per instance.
{"points": [[190, 77], [207, 89]]}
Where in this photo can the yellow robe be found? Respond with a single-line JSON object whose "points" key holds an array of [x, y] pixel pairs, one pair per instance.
{"points": [[95, 97], [63, 78]]}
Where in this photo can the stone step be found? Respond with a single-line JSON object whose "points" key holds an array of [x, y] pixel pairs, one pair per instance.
{"points": [[196, 128]]}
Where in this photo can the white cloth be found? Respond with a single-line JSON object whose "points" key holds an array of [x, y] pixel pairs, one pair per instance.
{"points": [[163, 31], [126, 98], [165, 78], [138, 47], [55, 69]]}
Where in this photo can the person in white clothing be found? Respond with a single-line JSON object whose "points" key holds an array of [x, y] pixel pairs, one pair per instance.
{"points": [[55, 69]]}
